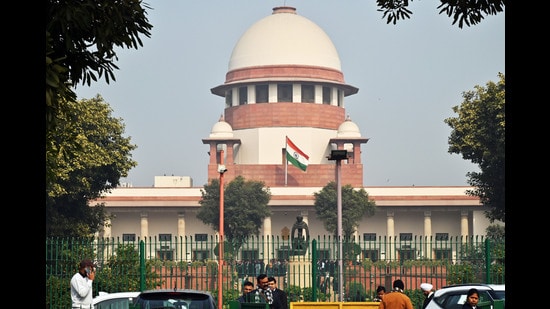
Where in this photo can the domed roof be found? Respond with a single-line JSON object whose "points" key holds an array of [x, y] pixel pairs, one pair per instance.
{"points": [[348, 128], [221, 129], [284, 38]]}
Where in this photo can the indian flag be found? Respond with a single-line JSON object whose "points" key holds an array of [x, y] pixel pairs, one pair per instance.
{"points": [[295, 156]]}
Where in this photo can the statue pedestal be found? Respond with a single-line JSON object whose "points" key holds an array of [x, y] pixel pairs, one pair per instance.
{"points": [[299, 271]]}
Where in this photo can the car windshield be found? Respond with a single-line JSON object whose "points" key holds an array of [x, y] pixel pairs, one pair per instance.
{"points": [[500, 294], [173, 300]]}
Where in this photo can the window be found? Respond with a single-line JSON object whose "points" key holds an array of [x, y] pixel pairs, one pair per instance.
{"points": [[128, 237], [262, 93], [228, 98], [370, 254], [200, 255], [201, 237], [165, 254], [243, 95], [442, 236], [327, 95], [165, 237], [442, 254], [369, 236], [405, 236], [283, 253], [250, 255], [308, 94], [323, 254], [284, 93], [407, 254]]}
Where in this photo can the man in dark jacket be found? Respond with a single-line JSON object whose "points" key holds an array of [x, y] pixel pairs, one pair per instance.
{"points": [[280, 299]]}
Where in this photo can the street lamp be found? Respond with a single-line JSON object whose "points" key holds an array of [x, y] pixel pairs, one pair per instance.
{"points": [[338, 156], [221, 169]]}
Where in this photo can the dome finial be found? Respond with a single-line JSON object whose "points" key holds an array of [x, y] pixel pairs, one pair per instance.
{"points": [[348, 118], [221, 118]]}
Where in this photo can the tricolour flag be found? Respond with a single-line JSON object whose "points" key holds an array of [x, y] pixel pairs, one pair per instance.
{"points": [[295, 156]]}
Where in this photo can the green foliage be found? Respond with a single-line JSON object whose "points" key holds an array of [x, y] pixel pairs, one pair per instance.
{"points": [[61, 288], [463, 273], [125, 261], [355, 205], [416, 296], [356, 291], [465, 12], [87, 159], [81, 38], [478, 133], [294, 293], [245, 208]]}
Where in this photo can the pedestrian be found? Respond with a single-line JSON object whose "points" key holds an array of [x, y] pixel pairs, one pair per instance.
{"points": [[81, 285], [396, 299], [280, 299], [472, 297], [262, 293], [248, 286], [380, 291], [427, 290]]}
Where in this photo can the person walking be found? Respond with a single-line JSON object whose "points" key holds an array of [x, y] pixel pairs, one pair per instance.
{"points": [[472, 298], [280, 299], [396, 299], [81, 285], [427, 290], [248, 286]]}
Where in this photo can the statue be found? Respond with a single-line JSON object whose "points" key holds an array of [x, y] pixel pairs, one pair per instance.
{"points": [[299, 242]]}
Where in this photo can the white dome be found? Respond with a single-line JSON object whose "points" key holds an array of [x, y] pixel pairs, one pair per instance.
{"points": [[348, 128], [284, 38], [221, 129]]}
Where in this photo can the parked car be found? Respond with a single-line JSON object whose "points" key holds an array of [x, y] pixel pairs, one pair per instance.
{"points": [[175, 299], [454, 296], [118, 300]]}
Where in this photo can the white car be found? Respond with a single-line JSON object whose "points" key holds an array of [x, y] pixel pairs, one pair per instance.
{"points": [[454, 296], [118, 300]]}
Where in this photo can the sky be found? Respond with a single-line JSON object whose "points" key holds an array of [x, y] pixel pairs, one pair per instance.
{"points": [[409, 75]]}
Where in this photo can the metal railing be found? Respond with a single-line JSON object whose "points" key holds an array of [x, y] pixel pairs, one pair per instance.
{"points": [[187, 262]]}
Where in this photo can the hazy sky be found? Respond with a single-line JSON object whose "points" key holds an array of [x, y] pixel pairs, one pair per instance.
{"points": [[409, 76]]}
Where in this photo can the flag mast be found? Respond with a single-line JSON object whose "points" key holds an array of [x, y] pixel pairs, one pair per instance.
{"points": [[286, 161]]}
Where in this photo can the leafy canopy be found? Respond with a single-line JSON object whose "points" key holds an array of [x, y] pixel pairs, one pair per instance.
{"points": [[465, 12], [91, 157], [245, 207], [478, 134], [355, 205]]}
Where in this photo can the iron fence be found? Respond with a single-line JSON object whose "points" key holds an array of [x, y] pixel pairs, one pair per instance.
{"points": [[309, 273]]}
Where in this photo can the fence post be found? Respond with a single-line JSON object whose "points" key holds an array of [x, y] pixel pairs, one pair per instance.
{"points": [[142, 265], [314, 269]]}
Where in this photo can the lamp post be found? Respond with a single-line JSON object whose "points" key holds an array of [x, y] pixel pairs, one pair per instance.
{"points": [[338, 156], [221, 170]]}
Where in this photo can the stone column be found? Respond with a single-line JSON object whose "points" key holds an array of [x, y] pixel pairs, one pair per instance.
{"points": [[144, 225], [464, 223], [266, 241], [390, 235], [181, 224], [427, 233]]}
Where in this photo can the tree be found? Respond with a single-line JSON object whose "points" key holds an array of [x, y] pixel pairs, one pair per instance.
{"points": [[81, 37], [355, 205], [469, 12], [245, 208], [93, 155], [478, 133]]}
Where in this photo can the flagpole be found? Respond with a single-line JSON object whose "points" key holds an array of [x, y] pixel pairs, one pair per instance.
{"points": [[286, 161]]}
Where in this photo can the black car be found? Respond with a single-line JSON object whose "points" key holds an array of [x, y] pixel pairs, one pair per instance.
{"points": [[174, 299]]}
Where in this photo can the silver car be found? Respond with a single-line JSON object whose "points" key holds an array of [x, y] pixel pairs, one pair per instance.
{"points": [[454, 296]]}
